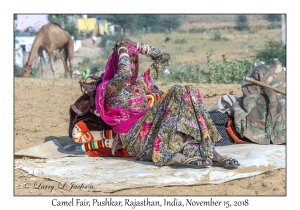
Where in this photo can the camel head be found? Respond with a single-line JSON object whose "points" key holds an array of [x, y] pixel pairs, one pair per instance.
{"points": [[26, 71]]}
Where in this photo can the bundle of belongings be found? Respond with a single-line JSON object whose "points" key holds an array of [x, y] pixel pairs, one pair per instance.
{"points": [[259, 116]]}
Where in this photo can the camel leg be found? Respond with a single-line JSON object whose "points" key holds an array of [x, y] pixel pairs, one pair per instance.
{"points": [[42, 59], [70, 50], [51, 58], [63, 56]]}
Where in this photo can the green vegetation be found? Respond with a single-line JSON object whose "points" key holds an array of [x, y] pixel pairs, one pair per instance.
{"points": [[273, 49], [218, 70], [35, 72], [218, 37], [181, 41], [242, 23], [72, 29], [17, 71], [274, 25], [156, 23], [202, 52], [66, 23], [273, 17], [105, 39], [224, 72], [198, 30]]}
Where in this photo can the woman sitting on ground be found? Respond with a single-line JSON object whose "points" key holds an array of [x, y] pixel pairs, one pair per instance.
{"points": [[177, 130]]}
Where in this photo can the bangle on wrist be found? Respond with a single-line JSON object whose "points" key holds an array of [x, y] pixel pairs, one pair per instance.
{"points": [[123, 54], [140, 48], [137, 46], [148, 50], [121, 49], [144, 49]]}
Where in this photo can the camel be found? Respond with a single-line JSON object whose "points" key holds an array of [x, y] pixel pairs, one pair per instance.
{"points": [[49, 38]]}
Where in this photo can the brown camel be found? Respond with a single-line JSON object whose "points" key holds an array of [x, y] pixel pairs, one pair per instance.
{"points": [[49, 38]]}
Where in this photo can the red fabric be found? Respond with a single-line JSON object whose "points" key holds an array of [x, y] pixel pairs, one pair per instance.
{"points": [[233, 136], [106, 152]]}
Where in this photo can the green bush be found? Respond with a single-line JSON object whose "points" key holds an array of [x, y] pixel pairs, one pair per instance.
{"points": [[112, 38], [94, 65], [227, 71], [35, 72], [218, 72], [85, 63], [272, 49], [170, 21], [192, 49], [273, 17], [242, 23], [106, 52], [274, 25], [72, 29], [181, 41], [80, 36], [157, 29], [17, 71], [216, 36], [197, 30], [98, 66]]}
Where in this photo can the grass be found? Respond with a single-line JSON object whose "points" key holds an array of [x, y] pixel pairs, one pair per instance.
{"points": [[196, 45], [188, 49]]}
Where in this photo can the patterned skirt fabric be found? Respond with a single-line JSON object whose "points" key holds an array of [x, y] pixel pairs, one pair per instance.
{"points": [[178, 123]]}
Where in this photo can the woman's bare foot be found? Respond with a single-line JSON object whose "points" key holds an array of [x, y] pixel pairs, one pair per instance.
{"points": [[222, 161], [216, 156], [179, 158]]}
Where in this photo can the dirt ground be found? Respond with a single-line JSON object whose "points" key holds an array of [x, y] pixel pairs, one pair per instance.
{"points": [[41, 113]]}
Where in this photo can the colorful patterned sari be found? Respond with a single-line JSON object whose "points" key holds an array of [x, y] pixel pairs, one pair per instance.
{"points": [[179, 123]]}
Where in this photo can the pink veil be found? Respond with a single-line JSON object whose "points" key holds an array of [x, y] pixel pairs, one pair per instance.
{"points": [[120, 119]]}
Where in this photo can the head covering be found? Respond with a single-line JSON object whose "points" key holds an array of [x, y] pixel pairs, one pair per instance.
{"points": [[115, 116]]}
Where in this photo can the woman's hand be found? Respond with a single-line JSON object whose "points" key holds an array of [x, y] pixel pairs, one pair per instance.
{"points": [[120, 48], [121, 42]]}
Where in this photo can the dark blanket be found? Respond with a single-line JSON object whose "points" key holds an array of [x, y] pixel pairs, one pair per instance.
{"points": [[80, 111]]}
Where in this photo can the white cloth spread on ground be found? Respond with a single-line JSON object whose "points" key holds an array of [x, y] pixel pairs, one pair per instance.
{"points": [[113, 174]]}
